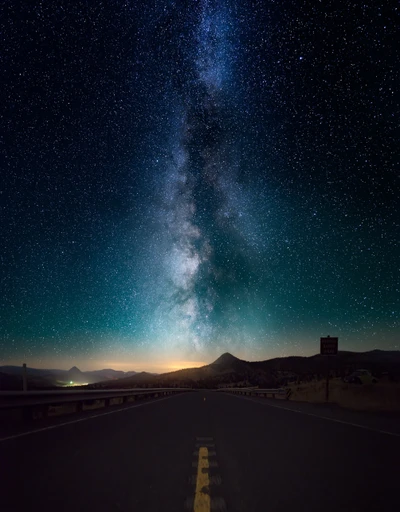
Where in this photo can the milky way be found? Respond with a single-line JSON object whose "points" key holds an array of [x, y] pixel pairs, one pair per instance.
{"points": [[203, 205], [187, 178]]}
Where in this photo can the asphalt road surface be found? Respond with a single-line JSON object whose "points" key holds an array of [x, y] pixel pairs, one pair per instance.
{"points": [[253, 457]]}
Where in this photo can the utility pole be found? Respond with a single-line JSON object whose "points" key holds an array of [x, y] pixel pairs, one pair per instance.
{"points": [[24, 378]]}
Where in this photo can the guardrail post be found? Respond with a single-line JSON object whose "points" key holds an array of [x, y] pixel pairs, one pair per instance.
{"points": [[35, 407]]}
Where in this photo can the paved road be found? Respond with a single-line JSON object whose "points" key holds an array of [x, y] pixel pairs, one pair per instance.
{"points": [[145, 458]]}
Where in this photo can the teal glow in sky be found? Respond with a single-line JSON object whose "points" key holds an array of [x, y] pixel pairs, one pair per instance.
{"points": [[196, 177]]}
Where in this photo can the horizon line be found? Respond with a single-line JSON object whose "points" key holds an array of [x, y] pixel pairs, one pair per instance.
{"points": [[175, 369]]}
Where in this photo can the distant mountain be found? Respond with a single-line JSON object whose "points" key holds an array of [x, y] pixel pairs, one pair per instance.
{"points": [[345, 361], [75, 375], [11, 378], [38, 378], [230, 370], [141, 377], [227, 370], [227, 363], [108, 374], [129, 374], [17, 370]]}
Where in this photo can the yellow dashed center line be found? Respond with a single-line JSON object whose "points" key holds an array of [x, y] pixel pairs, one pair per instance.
{"points": [[202, 496]]}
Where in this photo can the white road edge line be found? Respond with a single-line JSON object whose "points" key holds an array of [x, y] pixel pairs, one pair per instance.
{"points": [[51, 427], [318, 416]]}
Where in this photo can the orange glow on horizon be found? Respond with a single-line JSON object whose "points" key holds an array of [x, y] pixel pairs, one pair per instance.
{"points": [[149, 366], [135, 365]]}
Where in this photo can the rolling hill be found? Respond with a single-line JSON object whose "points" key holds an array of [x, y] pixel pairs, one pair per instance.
{"points": [[228, 370], [11, 377]]}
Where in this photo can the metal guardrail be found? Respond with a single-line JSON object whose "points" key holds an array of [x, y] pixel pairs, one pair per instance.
{"points": [[69, 391], [282, 392], [41, 404]]}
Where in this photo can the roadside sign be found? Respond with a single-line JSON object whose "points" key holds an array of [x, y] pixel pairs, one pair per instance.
{"points": [[329, 346]]}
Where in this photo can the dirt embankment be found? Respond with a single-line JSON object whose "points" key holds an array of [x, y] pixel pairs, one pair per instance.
{"points": [[383, 396]]}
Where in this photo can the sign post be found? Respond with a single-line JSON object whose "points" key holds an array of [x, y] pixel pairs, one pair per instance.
{"points": [[328, 347]]}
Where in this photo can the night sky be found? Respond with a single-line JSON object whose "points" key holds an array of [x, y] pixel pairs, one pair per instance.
{"points": [[180, 179]]}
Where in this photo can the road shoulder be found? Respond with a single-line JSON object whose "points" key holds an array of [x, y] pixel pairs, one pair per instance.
{"points": [[385, 423]]}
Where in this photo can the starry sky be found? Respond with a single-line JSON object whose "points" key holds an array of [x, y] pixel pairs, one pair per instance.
{"points": [[185, 178]]}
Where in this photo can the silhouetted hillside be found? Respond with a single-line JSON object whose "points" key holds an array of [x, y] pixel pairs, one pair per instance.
{"points": [[10, 382], [228, 370], [40, 379], [376, 361]]}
